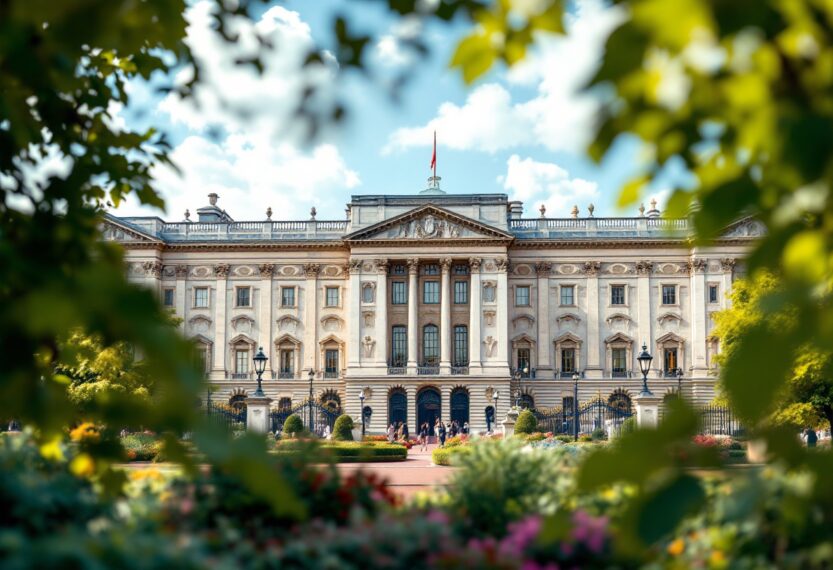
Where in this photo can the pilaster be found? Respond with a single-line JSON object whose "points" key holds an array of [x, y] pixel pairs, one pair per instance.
{"points": [[179, 295], [591, 271], [413, 269], [264, 309], [643, 308], [311, 316], [381, 317], [475, 315], [220, 349], [353, 301], [543, 270], [697, 267], [445, 317], [503, 313]]}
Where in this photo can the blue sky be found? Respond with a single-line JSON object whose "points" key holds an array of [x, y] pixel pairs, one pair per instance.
{"points": [[521, 132]]}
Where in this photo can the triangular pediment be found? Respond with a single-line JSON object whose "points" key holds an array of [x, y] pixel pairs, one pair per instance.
{"points": [[113, 229], [747, 227], [429, 223]]}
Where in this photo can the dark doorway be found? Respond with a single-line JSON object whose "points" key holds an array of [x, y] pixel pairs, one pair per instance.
{"points": [[429, 406], [460, 406], [490, 418], [397, 407]]}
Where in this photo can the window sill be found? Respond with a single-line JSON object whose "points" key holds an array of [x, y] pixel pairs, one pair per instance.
{"points": [[573, 306], [200, 307]]}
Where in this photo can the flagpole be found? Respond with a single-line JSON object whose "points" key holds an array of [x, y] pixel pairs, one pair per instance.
{"points": [[435, 155]]}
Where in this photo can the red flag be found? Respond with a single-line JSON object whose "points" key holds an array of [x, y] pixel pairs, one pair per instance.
{"points": [[434, 156]]}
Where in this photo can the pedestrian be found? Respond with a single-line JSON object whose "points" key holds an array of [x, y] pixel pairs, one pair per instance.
{"points": [[391, 432], [436, 432], [812, 437], [327, 431], [399, 431], [465, 428], [423, 436], [442, 434], [405, 433]]}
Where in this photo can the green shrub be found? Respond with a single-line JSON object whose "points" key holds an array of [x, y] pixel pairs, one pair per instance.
{"points": [[141, 447], [628, 426], [446, 455], [343, 428], [598, 434], [585, 438], [293, 426], [527, 423], [736, 454], [564, 438]]}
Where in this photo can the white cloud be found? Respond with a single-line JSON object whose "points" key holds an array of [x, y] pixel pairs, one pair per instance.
{"points": [[251, 175], [559, 117], [546, 183]]}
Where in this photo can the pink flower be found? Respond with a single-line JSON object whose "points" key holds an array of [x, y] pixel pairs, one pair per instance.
{"points": [[438, 517]]}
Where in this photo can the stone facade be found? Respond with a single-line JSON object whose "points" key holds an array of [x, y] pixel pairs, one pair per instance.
{"points": [[487, 292]]}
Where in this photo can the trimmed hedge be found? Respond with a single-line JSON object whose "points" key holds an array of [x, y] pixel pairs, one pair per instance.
{"points": [[343, 428], [141, 447], [445, 455], [293, 425], [527, 423], [346, 452]]}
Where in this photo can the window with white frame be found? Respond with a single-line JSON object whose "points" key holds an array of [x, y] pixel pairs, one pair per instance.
{"points": [[431, 292], [201, 297], [398, 293], [331, 296], [568, 295], [669, 294], [241, 361], [243, 297], [714, 293], [617, 294], [461, 292], [522, 296], [287, 296]]}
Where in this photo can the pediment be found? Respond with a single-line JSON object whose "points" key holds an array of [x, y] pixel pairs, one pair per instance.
{"points": [[619, 337], [670, 338], [618, 317], [429, 223], [567, 337], [113, 229], [669, 317], [744, 228], [569, 317]]}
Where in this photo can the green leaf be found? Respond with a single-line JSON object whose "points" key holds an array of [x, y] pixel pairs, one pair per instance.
{"points": [[631, 191], [658, 513]]}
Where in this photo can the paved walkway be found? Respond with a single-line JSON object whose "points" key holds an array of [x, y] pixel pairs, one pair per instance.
{"points": [[407, 477]]}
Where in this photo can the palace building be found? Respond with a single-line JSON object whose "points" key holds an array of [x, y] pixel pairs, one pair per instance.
{"points": [[431, 304]]}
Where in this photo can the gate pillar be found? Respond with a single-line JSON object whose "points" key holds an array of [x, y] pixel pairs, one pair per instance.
{"points": [[647, 410], [257, 415]]}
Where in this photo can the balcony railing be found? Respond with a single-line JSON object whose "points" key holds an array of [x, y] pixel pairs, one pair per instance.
{"points": [[622, 228], [621, 374], [286, 374], [397, 370], [427, 370], [241, 375], [289, 230], [331, 374], [459, 370]]}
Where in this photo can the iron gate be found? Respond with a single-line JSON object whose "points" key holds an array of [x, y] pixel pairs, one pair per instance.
{"points": [[321, 416], [232, 418], [592, 415]]}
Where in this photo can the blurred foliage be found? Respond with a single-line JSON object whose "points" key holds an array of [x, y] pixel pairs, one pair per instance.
{"points": [[807, 397], [526, 423]]}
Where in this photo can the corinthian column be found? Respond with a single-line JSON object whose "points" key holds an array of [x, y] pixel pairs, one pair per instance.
{"points": [[353, 303], [220, 349], [381, 312], [445, 317], [591, 270], [413, 269], [475, 314], [264, 324], [543, 269], [310, 315]]}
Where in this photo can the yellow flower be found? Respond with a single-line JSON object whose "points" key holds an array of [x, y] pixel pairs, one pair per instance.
{"points": [[82, 465], [676, 547], [85, 432], [717, 559], [146, 474], [52, 449]]}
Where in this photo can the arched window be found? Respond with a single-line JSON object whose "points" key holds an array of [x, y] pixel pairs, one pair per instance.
{"points": [[285, 404], [397, 406], [527, 402], [620, 400], [460, 406], [331, 400], [237, 401], [430, 345]]}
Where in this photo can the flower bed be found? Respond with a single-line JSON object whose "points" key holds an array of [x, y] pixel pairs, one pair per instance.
{"points": [[344, 452], [445, 455]]}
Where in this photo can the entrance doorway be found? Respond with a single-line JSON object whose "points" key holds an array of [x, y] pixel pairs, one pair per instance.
{"points": [[429, 406], [397, 407], [460, 406]]}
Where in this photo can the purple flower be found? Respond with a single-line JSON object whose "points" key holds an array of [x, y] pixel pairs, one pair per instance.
{"points": [[521, 535]]}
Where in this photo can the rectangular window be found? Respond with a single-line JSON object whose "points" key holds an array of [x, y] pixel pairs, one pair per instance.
{"points": [[461, 270], [168, 297], [713, 295], [331, 362], [461, 292], [202, 359], [669, 294], [244, 298], [670, 361], [287, 363], [331, 296], [287, 296], [398, 293], [431, 269], [461, 346], [568, 360], [567, 297], [367, 293], [431, 292], [617, 295], [430, 345], [619, 357], [522, 296], [241, 361], [201, 297], [399, 346], [524, 362], [399, 270]]}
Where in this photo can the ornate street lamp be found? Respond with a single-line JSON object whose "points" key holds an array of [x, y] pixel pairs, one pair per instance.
{"points": [[680, 383], [495, 396], [644, 360], [260, 365], [311, 376], [361, 410], [575, 405], [519, 375]]}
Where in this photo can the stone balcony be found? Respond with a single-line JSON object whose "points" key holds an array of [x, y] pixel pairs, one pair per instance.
{"points": [[599, 228]]}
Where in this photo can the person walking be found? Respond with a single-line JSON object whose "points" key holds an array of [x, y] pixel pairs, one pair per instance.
{"points": [[465, 428], [391, 432], [423, 436], [405, 433], [442, 434]]}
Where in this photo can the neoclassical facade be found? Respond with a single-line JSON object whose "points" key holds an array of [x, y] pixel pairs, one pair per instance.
{"points": [[430, 303]]}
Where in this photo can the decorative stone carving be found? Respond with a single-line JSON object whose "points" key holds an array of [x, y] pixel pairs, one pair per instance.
{"points": [[381, 265], [671, 268], [369, 318], [543, 268], [489, 317], [199, 324], [202, 271], [266, 270], [445, 264], [618, 318], [288, 270], [243, 323], [354, 266], [428, 227], [368, 344], [521, 269], [312, 269], [413, 265], [491, 344], [474, 264], [697, 265], [372, 286], [666, 317], [568, 319], [221, 270], [644, 267], [332, 323], [727, 264], [750, 228], [567, 269], [618, 269], [591, 268], [244, 270], [288, 323], [152, 268], [502, 264], [181, 271], [523, 322]]}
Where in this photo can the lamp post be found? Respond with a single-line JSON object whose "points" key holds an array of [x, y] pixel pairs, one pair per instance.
{"points": [[495, 396], [311, 376], [680, 383], [361, 410], [575, 405], [519, 375], [260, 365], [644, 360]]}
